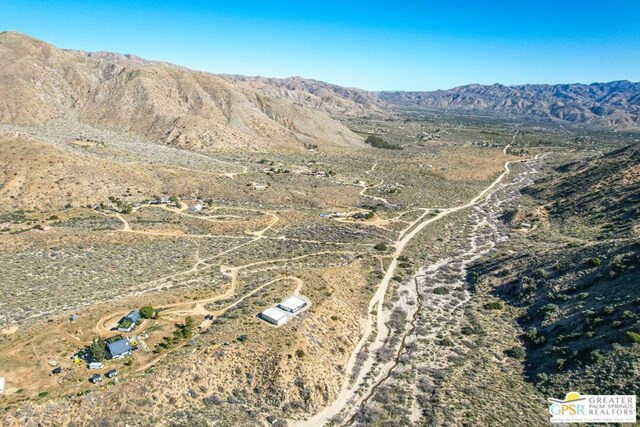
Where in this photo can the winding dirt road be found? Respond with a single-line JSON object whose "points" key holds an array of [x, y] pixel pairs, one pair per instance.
{"points": [[375, 319]]}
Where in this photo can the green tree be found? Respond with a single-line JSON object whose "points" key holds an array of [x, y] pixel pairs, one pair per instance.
{"points": [[187, 328], [148, 312], [98, 350]]}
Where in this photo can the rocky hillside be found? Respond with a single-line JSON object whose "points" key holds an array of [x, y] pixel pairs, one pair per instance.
{"points": [[572, 271], [40, 84], [614, 104], [320, 95]]}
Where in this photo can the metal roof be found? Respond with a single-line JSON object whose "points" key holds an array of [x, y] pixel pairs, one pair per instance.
{"points": [[118, 348], [292, 304], [274, 313], [134, 316]]}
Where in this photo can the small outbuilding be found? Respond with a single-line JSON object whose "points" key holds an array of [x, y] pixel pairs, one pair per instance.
{"points": [[274, 316], [292, 304], [128, 322], [196, 208], [119, 349]]}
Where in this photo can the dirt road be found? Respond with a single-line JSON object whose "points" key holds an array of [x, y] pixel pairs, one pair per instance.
{"points": [[375, 319]]}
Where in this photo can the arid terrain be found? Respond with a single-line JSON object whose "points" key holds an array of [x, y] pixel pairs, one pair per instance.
{"points": [[449, 259]]}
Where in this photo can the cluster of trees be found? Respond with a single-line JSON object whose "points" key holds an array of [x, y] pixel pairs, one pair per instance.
{"points": [[181, 333], [377, 142], [148, 312], [98, 350]]}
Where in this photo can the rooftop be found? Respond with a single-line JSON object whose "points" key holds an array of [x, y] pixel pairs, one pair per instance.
{"points": [[293, 304], [119, 347], [134, 316], [274, 313]]}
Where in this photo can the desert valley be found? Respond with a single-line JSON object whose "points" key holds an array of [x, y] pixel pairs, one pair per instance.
{"points": [[188, 248]]}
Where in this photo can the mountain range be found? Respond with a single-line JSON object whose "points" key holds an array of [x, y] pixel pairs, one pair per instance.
{"points": [[615, 104], [41, 84]]}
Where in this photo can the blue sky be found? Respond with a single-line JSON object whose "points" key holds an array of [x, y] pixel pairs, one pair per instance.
{"points": [[376, 45]]}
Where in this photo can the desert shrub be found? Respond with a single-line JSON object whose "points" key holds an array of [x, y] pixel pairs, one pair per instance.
{"points": [[300, 353], [595, 262], [447, 342], [441, 290], [596, 356], [541, 273], [610, 309], [516, 353], [535, 337], [493, 305], [549, 310], [380, 247], [633, 336]]}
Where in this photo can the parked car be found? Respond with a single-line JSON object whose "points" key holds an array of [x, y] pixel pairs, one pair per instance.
{"points": [[57, 371], [111, 374], [95, 378]]}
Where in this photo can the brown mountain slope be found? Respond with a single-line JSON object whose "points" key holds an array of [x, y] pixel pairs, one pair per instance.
{"points": [[328, 97], [40, 83], [614, 104]]}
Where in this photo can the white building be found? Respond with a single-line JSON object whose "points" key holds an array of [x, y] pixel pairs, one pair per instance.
{"points": [[196, 208], [274, 316], [259, 187], [292, 304]]}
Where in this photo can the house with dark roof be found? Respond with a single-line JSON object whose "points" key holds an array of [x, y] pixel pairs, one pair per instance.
{"points": [[119, 349]]}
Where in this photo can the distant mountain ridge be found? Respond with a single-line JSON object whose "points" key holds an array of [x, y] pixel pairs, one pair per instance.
{"points": [[40, 84], [614, 104]]}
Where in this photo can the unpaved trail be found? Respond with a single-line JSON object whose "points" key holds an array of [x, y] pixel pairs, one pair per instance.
{"points": [[483, 236], [365, 188], [375, 319]]}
